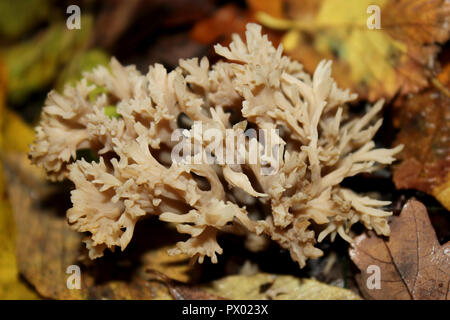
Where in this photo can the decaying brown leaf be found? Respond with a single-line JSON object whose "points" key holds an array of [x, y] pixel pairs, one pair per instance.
{"points": [[219, 27], [423, 120], [375, 63], [412, 262], [263, 286], [46, 247], [11, 286], [227, 20]]}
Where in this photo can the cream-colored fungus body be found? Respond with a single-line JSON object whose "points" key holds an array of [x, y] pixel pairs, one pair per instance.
{"points": [[319, 145]]}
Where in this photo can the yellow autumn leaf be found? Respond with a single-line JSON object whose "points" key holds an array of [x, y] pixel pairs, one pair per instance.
{"points": [[263, 286], [375, 62]]}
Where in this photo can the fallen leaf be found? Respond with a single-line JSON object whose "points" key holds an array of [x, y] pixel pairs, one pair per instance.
{"points": [[181, 291], [228, 20], [35, 63], [46, 246], [444, 76], [15, 137], [18, 17], [274, 7], [16, 134], [263, 286], [11, 286], [375, 63], [423, 120], [413, 264], [219, 27]]}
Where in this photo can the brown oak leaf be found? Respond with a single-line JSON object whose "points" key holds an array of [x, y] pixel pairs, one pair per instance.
{"points": [[413, 264]]}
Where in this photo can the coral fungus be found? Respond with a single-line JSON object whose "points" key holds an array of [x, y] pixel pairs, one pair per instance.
{"points": [[128, 119]]}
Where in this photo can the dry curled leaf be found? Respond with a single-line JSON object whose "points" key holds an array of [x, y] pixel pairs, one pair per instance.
{"points": [[263, 286], [424, 120], [413, 264], [11, 287], [398, 57]]}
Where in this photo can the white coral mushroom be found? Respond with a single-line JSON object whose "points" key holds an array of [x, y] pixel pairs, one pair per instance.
{"points": [[320, 146]]}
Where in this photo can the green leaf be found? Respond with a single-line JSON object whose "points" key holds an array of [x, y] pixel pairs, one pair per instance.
{"points": [[35, 64], [111, 111]]}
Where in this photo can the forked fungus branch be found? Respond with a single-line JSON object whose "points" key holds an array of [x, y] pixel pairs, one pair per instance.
{"points": [[127, 119]]}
